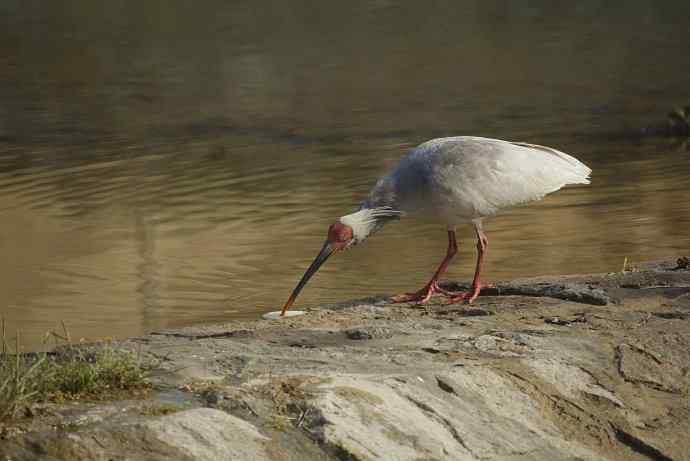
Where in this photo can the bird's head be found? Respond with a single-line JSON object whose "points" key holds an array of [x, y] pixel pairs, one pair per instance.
{"points": [[340, 236], [346, 232]]}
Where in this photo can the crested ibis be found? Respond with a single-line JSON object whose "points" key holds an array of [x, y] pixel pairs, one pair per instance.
{"points": [[455, 180]]}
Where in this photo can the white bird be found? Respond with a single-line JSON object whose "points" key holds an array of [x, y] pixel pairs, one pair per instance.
{"points": [[456, 180]]}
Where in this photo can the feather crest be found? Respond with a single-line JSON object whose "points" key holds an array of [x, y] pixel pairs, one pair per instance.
{"points": [[366, 221]]}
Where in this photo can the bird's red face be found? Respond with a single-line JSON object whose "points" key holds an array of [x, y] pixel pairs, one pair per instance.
{"points": [[340, 237]]}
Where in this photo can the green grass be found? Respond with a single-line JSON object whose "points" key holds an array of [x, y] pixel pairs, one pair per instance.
{"points": [[18, 379], [74, 371]]}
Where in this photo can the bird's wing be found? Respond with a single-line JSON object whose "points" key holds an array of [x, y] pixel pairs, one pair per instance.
{"points": [[578, 168], [481, 175]]}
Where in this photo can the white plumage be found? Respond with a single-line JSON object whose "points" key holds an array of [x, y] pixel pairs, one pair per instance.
{"points": [[454, 180], [464, 178]]}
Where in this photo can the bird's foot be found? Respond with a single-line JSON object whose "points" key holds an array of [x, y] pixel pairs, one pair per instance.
{"points": [[468, 296], [421, 296]]}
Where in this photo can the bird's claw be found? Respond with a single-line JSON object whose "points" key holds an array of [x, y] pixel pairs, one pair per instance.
{"points": [[424, 295], [468, 296], [421, 296]]}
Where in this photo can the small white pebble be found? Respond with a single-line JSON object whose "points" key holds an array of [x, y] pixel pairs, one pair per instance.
{"points": [[275, 315]]}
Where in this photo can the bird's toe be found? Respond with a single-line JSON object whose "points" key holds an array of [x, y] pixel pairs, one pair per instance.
{"points": [[419, 297], [466, 296]]}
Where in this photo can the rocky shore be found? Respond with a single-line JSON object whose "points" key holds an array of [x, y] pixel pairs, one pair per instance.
{"points": [[585, 367]]}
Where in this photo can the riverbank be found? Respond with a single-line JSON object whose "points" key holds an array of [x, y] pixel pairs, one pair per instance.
{"points": [[572, 367]]}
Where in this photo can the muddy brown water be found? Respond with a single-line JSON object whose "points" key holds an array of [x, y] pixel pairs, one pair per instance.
{"points": [[164, 165]]}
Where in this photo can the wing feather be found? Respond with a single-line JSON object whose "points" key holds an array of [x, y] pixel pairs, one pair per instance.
{"points": [[465, 178]]}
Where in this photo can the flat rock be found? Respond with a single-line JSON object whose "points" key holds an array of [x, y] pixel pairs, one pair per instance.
{"points": [[200, 434], [372, 418], [207, 434]]}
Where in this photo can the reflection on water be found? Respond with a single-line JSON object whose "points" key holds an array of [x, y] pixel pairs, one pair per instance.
{"points": [[163, 165]]}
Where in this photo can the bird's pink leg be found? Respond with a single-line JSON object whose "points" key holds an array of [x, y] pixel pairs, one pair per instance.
{"points": [[423, 295], [471, 295]]}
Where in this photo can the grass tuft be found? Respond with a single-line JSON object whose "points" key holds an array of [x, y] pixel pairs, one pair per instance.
{"points": [[74, 371], [18, 378]]}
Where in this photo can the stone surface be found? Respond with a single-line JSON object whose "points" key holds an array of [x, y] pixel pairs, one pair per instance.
{"points": [[366, 380], [207, 434], [202, 434], [363, 333]]}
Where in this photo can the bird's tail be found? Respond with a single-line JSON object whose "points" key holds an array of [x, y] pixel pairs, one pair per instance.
{"points": [[574, 171]]}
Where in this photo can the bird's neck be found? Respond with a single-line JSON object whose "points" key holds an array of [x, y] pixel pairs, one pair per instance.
{"points": [[382, 196]]}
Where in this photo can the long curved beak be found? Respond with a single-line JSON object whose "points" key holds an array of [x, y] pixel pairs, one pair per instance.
{"points": [[321, 258]]}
